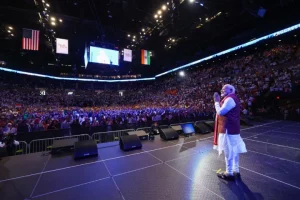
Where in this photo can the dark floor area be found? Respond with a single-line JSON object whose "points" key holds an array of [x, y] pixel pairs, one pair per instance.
{"points": [[180, 169]]}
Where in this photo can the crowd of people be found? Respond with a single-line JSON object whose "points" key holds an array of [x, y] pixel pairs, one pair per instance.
{"points": [[35, 104]]}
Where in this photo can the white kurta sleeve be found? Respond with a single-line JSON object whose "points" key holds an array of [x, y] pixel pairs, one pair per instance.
{"points": [[226, 107]]}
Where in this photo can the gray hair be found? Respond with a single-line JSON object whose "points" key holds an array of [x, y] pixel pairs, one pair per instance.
{"points": [[230, 87]]}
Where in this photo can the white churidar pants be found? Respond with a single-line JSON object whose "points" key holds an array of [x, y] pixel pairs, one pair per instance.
{"points": [[232, 145]]}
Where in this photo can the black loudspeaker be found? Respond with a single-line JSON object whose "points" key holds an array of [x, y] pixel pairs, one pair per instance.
{"points": [[141, 134], [85, 148], [246, 122], [168, 134], [201, 127], [129, 142], [210, 124]]}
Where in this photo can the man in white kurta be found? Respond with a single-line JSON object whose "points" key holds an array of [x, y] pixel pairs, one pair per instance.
{"points": [[227, 131]]}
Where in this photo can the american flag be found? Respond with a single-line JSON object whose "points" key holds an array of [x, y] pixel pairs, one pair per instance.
{"points": [[30, 40]]}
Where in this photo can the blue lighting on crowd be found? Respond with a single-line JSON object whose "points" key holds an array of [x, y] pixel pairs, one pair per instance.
{"points": [[281, 32]]}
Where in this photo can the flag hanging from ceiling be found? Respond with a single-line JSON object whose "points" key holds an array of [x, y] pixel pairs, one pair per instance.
{"points": [[145, 57], [30, 40], [62, 46], [128, 55]]}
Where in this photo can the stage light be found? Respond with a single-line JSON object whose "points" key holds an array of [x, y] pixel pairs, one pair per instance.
{"points": [[128, 35], [53, 19], [201, 4], [43, 1], [11, 28], [53, 23], [133, 40], [12, 34], [155, 16], [9, 31], [206, 19], [134, 36], [167, 3], [60, 20], [173, 40], [164, 7], [143, 29], [47, 4], [192, 1], [279, 40], [181, 73], [157, 20], [160, 16], [159, 12], [46, 9]]}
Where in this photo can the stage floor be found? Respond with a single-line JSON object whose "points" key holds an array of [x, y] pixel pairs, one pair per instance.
{"points": [[181, 169]]}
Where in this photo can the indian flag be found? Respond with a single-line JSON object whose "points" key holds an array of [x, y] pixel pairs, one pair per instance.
{"points": [[145, 57]]}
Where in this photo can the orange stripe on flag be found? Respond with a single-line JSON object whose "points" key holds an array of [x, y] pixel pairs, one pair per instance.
{"points": [[142, 56]]}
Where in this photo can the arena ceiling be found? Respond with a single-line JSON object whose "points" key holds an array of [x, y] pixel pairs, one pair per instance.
{"points": [[173, 30]]}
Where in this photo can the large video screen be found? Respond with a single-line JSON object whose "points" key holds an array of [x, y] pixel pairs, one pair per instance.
{"points": [[104, 56]]}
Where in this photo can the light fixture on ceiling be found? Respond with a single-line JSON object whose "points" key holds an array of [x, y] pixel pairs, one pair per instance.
{"points": [[43, 1], [181, 73], [143, 29], [134, 36], [46, 9], [12, 34], [9, 31], [164, 7], [11, 28], [53, 19], [128, 35], [159, 12], [155, 16], [47, 4], [133, 40], [60, 20], [53, 23], [191, 1], [173, 40]]}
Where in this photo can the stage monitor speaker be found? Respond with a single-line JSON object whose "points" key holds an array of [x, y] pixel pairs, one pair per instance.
{"points": [[168, 134], [202, 128], [62, 145], [141, 134], [130, 142], [85, 148], [210, 124], [246, 122]]}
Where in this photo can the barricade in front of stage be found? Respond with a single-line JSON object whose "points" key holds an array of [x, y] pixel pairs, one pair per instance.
{"points": [[42, 141]]}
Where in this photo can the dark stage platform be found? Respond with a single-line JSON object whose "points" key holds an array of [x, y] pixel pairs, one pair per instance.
{"points": [[180, 169]]}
